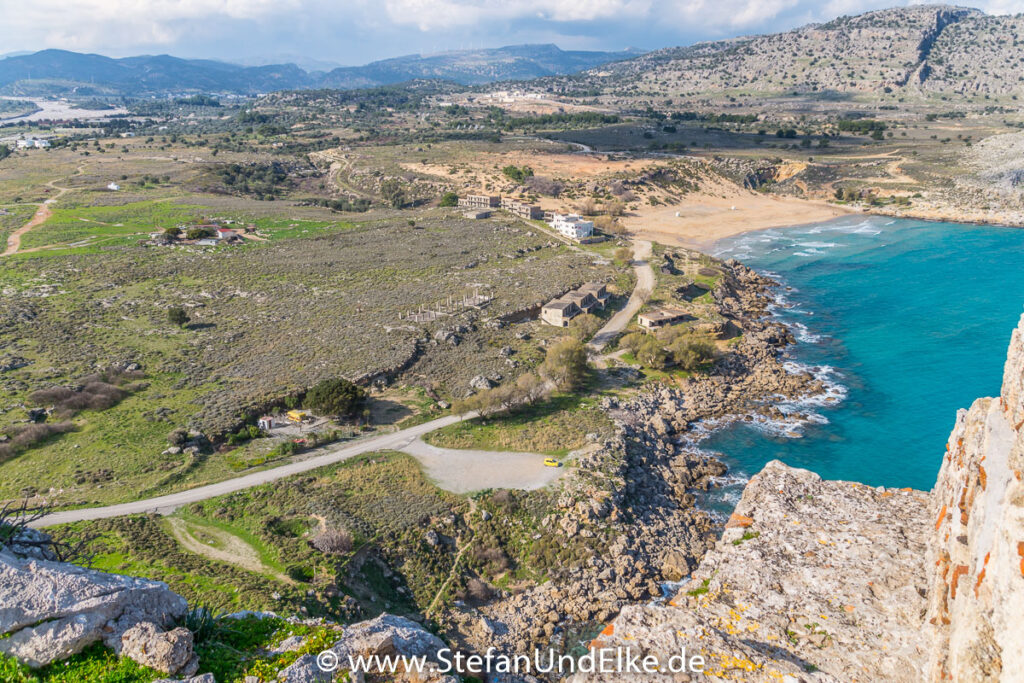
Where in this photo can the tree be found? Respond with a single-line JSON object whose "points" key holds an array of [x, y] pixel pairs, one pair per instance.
{"points": [[651, 353], [614, 208], [584, 326], [178, 316], [337, 397], [690, 352], [587, 207], [565, 364], [449, 199], [392, 192]]}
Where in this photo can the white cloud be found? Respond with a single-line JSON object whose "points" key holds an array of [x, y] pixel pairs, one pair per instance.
{"points": [[349, 28], [94, 24], [436, 14]]}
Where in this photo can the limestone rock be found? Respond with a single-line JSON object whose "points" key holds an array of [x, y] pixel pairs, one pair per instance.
{"points": [[51, 610], [167, 651]]}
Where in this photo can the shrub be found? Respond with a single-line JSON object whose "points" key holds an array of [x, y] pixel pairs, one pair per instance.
{"points": [[478, 590], [545, 186], [333, 542], [298, 572], [449, 199], [177, 315]]}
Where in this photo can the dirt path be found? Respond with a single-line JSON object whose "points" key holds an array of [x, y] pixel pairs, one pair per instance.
{"points": [[642, 290], [232, 550], [41, 215]]}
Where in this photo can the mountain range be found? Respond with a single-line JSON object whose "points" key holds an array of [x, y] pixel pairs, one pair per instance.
{"points": [[60, 72]]}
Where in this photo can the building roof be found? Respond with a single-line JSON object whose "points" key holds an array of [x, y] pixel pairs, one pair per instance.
{"points": [[578, 296], [559, 304], [659, 314], [592, 287]]}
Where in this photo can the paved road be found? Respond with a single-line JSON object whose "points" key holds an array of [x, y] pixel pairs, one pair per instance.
{"points": [[165, 504], [642, 290]]}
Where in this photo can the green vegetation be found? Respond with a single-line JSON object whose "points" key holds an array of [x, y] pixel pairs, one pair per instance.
{"points": [[95, 664], [337, 397], [177, 316], [553, 427], [517, 173], [676, 346]]}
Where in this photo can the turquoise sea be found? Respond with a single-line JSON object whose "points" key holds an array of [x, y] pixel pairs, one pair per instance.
{"points": [[908, 320]]}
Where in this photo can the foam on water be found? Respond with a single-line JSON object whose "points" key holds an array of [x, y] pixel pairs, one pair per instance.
{"points": [[882, 310]]}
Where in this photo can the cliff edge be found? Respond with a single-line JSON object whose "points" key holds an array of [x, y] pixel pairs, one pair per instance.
{"points": [[818, 580]]}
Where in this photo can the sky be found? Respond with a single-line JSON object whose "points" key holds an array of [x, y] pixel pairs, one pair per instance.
{"points": [[353, 32]]}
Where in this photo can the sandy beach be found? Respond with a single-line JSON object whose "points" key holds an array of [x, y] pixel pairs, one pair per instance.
{"points": [[703, 218]]}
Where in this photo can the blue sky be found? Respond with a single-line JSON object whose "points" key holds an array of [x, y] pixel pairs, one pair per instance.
{"points": [[359, 31]]}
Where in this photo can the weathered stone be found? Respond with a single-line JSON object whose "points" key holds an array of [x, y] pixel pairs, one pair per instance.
{"points": [[53, 610], [167, 651]]}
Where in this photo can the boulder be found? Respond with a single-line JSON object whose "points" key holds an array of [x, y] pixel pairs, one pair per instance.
{"points": [[167, 651], [387, 635], [52, 610], [481, 383]]}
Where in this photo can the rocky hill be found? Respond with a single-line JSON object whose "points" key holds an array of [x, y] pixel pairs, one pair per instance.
{"points": [[836, 581], [924, 50]]}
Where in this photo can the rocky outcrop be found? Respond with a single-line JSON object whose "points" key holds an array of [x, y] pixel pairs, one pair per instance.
{"points": [[818, 580], [51, 610], [809, 576], [976, 592], [385, 636]]}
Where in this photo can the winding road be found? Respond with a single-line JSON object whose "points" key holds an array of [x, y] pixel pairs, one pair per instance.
{"points": [[172, 501], [641, 292]]}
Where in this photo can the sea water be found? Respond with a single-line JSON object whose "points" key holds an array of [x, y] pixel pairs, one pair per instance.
{"points": [[906, 321]]}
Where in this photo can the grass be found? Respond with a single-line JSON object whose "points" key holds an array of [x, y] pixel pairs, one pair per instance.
{"points": [[95, 664], [269, 319], [110, 225], [553, 427]]}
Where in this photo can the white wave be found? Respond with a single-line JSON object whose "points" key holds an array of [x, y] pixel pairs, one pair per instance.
{"points": [[803, 334]]}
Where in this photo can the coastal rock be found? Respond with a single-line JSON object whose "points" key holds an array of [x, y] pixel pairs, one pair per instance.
{"points": [[818, 580], [976, 592], [51, 610], [791, 592]]}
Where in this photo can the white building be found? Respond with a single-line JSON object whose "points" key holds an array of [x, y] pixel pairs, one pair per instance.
{"points": [[33, 142], [113, 187], [572, 226]]}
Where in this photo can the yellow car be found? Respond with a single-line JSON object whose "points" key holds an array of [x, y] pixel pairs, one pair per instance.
{"points": [[551, 462]]}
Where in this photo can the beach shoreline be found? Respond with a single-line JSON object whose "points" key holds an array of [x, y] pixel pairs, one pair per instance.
{"points": [[704, 219]]}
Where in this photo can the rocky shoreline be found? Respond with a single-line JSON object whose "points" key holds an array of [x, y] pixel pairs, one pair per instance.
{"points": [[637, 492]]}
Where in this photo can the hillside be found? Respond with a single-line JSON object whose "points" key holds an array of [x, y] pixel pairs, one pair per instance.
{"points": [[62, 72], [922, 51]]}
